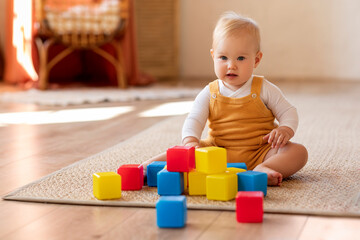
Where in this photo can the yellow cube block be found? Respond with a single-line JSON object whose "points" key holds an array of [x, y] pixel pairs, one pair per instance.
{"points": [[197, 183], [106, 185], [211, 160], [221, 187], [234, 170]]}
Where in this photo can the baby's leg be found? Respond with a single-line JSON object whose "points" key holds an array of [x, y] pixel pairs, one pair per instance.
{"points": [[283, 162], [160, 157]]}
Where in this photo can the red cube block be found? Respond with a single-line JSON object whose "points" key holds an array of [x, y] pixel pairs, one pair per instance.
{"points": [[249, 207], [180, 159], [132, 176]]}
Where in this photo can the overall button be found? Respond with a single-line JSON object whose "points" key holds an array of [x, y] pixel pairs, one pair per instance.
{"points": [[214, 95], [253, 95]]}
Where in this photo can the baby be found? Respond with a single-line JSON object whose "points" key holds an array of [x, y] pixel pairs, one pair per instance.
{"points": [[240, 107]]}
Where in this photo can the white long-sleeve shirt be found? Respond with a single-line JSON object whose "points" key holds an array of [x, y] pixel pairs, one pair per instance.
{"points": [[271, 95]]}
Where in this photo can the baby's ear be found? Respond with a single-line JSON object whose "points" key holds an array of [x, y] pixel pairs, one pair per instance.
{"points": [[212, 53], [258, 58]]}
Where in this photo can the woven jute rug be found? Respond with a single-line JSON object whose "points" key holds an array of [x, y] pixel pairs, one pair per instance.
{"points": [[85, 95], [327, 185]]}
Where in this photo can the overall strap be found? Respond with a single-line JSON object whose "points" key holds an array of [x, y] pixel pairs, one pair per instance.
{"points": [[257, 85], [214, 87]]}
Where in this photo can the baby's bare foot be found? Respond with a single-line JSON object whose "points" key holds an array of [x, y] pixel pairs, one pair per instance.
{"points": [[274, 178]]}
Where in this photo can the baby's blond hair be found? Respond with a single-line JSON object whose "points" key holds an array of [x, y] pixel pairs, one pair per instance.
{"points": [[231, 23]]}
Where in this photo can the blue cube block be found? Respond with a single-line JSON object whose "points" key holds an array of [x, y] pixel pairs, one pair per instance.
{"points": [[170, 183], [152, 170], [237, 165], [171, 211], [252, 181]]}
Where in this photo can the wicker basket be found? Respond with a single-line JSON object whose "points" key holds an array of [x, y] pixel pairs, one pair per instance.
{"points": [[84, 23]]}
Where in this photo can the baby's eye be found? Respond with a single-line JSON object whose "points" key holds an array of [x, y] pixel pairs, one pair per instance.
{"points": [[241, 58], [223, 57]]}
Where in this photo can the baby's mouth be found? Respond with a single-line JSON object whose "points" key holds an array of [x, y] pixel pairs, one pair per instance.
{"points": [[231, 75]]}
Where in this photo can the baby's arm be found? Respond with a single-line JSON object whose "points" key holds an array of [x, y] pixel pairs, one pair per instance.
{"points": [[196, 120], [283, 111]]}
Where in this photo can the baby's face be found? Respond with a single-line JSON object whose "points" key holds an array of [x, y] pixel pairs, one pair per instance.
{"points": [[235, 58]]}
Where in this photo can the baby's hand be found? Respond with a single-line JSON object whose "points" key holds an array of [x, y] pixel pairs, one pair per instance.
{"points": [[279, 137], [191, 142]]}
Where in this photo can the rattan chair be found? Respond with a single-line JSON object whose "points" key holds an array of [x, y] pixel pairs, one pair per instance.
{"points": [[80, 24]]}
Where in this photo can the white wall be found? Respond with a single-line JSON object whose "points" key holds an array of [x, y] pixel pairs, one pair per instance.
{"points": [[300, 39]]}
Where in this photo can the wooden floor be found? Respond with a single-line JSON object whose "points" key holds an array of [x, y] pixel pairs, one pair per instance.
{"points": [[31, 151]]}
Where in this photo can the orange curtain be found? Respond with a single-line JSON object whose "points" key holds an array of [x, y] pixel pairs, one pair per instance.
{"points": [[21, 55], [18, 42]]}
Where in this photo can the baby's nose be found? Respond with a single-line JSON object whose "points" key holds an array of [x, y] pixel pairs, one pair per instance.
{"points": [[231, 65]]}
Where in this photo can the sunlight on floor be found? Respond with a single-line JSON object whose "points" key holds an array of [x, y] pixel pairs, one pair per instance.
{"points": [[63, 116], [168, 109]]}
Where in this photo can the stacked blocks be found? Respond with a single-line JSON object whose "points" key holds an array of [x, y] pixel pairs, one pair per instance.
{"points": [[171, 212], [212, 176], [197, 183], [252, 181], [180, 159], [237, 165], [170, 183], [249, 207], [132, 176], [211, 160], [106, 185], [221, 187], [152, 170]]}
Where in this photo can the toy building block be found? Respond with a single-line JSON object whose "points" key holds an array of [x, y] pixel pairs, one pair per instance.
{"points": [[252, 181], [237, 165], [249, 207], [234, 170], [170, 183], [106, 185], [132, 176], [152, 170], [210, 160], [180, 159], [221, 187], [171, 212], [197, 183]]}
